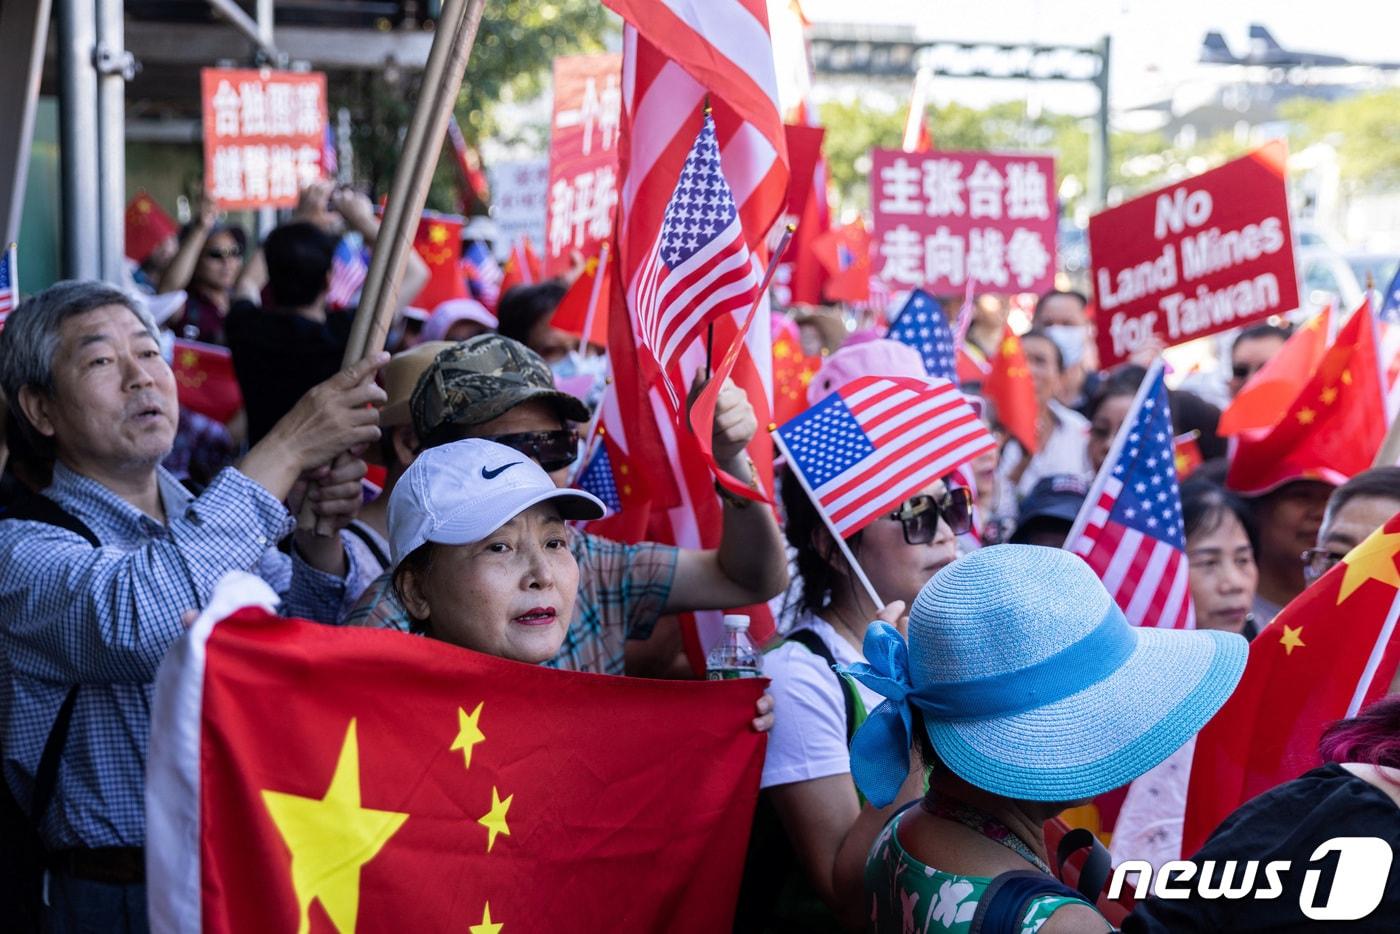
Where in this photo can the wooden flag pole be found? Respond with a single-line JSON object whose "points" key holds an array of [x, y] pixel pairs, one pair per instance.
{"points": [[845, 549]]}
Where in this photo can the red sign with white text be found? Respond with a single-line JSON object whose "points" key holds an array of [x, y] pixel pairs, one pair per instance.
{"points": [[582, 157], [1205, 255], [264, 135], [942, 218]]}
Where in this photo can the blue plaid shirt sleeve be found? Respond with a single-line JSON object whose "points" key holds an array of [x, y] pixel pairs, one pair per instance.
{"points": [[75, 613]]}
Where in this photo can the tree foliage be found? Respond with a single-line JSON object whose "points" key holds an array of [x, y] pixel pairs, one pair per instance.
{"points": [[1364, 129]]}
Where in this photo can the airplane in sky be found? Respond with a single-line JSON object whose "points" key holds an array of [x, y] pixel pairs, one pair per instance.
{"points": [[1265, 50]]}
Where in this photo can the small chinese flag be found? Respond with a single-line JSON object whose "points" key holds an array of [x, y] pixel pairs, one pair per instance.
{"points": [[1188, 454], [523, 266], [845, 254], [205, 381], [1272, 389], [317, 778], [1008, 384], [146, 227], [572, 312], [1332, 429], [439, 242], [1332, 651], [792, 370]]}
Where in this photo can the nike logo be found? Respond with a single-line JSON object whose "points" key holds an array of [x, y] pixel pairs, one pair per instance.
{"points": [[493, 474]]}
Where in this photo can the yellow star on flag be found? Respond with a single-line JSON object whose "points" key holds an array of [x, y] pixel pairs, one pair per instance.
{"points": [[781, 350], [486, 926], [495, 819], [330, 838], [1373, 559], [1306, 416], [437, 233], [1346, 377], [1328, 395], [188, 358], [1008, 346], [468, 732], [1292, 639]]}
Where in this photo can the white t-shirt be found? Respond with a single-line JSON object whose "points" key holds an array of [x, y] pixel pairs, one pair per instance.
{"points": [[1065, 451], [808, 739]]}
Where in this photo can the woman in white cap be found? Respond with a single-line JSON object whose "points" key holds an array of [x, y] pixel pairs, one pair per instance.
{"points": [[1026, 690]]}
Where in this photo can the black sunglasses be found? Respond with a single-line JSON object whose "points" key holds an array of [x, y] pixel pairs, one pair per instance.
{"points": [[552, 450], [920, 515], [1244, 371], [232, 252]]}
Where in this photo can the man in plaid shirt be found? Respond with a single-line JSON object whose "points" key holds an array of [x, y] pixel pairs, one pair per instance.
{"points": [[496, 388], [84, 627]]}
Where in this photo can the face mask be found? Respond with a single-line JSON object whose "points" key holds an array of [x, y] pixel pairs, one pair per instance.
{"points": [[1071, 339], [574, 371]]}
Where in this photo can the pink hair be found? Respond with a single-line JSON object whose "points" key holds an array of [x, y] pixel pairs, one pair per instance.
{"points": [[1371, 737]]}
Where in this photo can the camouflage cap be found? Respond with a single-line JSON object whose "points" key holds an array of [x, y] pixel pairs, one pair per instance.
{"points": [[479, 379]]}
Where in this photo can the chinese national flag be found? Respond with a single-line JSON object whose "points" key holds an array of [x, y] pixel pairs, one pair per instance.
{"points": [[572, 313], [1187, 454], [439, 242], [205, 381], [1333, 428], [845, 254], [146, 226], [523, 266], [1272, 389], [792, 370], [1331, 651], [1008, 384], [316, 778]]}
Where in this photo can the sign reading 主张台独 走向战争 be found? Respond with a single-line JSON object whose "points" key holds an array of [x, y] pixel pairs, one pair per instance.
{"points": [[582, 157], [944, 218], [264, 135], [1204, 255]]}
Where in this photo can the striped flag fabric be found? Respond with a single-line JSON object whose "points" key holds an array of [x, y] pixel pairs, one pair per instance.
{"points": [[1130, 529], [878, 440], [597, 478], [349, 266], [922, 325], [1390, 302], [482, 272], [9, 282]]}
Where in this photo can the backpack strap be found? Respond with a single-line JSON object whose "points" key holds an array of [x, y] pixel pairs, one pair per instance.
{"points": [[1097, 864], [362, 532], [1009, 895], [36, 507], [813, 643]]}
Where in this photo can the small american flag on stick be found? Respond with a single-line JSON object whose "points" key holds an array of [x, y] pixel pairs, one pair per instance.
{"points": [[9, 283], [1130, 529]]}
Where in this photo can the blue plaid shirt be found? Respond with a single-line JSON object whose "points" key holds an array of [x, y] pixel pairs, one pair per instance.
{"points": [[104, 617]]}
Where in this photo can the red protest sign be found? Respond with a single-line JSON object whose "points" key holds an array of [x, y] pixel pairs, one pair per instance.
{"points": [[264, 135], [582, 157], [1205, 255], [942, 218]]}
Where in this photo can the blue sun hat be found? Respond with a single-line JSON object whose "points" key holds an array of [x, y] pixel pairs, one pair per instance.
{"points": [[1032, 683]]}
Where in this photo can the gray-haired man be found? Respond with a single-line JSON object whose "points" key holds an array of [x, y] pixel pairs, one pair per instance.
{"points": [[90, 600]]}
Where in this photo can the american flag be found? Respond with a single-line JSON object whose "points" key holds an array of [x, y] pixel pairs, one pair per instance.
{"points": [[483, 273], [699, 268], [1130, 529], [9, 283], [330, 159], [1390, 302], [878, 440], [597, 477], [922, 325], [349, 266]]}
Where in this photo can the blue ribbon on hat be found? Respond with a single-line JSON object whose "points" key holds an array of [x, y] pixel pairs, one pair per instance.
{"points": [[880, 748]]}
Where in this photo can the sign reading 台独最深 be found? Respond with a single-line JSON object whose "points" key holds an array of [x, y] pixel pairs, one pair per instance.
{"points": [[582, 156], [942, 218], [1204, 255], [264, 135]]}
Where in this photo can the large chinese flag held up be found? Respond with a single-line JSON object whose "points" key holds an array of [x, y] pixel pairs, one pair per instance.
{"points": [[1332, 651], [318, 779]]}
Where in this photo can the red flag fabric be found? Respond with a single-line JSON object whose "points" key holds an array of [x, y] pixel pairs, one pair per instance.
{"points": [[844, 253], [1008, 384], [805, 277], [146, 226], [793, 370], [1272, 389], [1333, 428], [1328, 654], [468, 164], [205, 381], [290, 788], [572, 312], [523, 266], [439, 242], [1187, 454]]}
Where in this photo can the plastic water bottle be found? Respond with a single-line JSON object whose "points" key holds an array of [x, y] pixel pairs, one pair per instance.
{"points": [[735, 655]]}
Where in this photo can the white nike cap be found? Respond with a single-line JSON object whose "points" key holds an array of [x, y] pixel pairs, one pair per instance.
{"points": [[461, 492]]}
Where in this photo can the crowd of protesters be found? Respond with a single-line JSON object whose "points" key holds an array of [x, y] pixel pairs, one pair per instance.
{"points": [[111, 538]]}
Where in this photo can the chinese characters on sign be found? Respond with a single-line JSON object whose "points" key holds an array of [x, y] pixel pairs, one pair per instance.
{"points": [[264, 135], [942, 218], [582, 192], [1205, 255], [519, 195]]}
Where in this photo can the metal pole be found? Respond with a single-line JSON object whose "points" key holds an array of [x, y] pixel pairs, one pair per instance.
{"points": [[113, 66], [1102, 149], [24, 30], [77, 38], [267, 217]]}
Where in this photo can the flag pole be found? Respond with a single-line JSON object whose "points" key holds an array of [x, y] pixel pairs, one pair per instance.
{"points": [[1119, 440], [595, 428], [593, 297], [1389, 453], [845, 549]]}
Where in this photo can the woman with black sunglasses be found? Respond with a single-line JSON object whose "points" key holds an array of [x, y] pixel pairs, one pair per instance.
{"points": [[206, 265], [806, 775]]}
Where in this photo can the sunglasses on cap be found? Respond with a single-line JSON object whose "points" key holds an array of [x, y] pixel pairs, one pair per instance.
{"points": [[920, 514], [231, 252], [552, 450]]}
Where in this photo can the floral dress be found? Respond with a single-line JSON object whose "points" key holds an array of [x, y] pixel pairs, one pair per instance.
{"points": [[908, 897]]}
